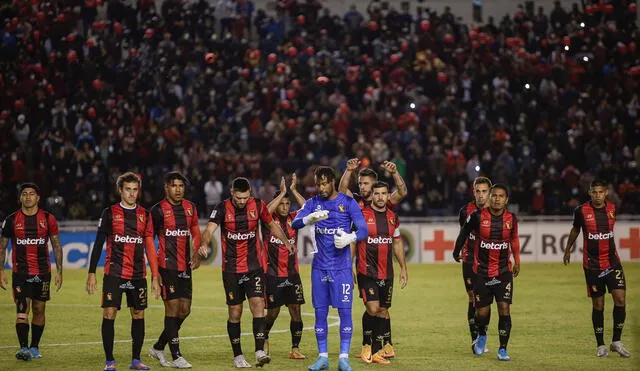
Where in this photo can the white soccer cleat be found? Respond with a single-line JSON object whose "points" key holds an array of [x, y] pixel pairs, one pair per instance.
{"points": [[241, 362], [159, 355], [180, 362], [602, 351], [262, 358], [619, 348]]}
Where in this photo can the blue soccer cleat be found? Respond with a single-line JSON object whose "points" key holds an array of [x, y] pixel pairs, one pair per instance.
{"points": [[24, 354], [110, 366], [322, 363], [478, 347], [137, 364], [502, 355], [35, 353], [343, 365]]}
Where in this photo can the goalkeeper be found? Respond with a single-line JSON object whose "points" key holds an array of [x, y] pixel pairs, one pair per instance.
{"points": [[332, 216]]}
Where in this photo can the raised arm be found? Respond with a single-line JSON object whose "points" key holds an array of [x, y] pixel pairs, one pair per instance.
{"points": [[345, 180], [294, 190], [273, 205], [401, 187]]}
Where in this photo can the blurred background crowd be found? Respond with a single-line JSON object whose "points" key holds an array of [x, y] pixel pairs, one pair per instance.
{"points": [[543, 100]]}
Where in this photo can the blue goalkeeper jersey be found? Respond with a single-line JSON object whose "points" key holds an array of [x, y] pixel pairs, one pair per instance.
{"points": [[345, 215]]}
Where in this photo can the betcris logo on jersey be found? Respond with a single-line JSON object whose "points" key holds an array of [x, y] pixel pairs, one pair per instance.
{"points": [[127, 239], [240, 236], [30, 241], [177, 233], [600, 236], [276, 241], [379, 240], [494, 245], [325, 230]]}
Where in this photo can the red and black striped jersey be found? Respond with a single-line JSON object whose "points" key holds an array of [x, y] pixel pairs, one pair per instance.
{"points": [[239, 234], [374, 256], [126, 230], [279, 262], [497, 240], [599, 246], [467, 251], [175, 226], [29, 235], [364, 203]]}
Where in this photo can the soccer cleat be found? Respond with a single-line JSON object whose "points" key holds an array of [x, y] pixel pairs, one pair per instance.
{"points": [[241, 362], [262, 358], [343, 365], [502, 355], [110, 366], [388, 351], [322, 363], [137, 364], [379, 358], [478, 347], [35, 353], [602, 351], [159, 355], [295, 354], [619, 348], [180, 362], [366, 353], [24, 354]]}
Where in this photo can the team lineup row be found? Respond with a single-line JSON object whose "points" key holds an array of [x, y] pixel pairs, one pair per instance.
{"points": [[264, 269]]}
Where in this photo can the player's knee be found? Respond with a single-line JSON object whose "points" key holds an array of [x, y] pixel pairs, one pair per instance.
{"points": [[109, 313], [598, 303], [619, 301], [22, 318], [383, 312], [372, 310], [137, 313], [294, 311], [235, 313], [22, 307]]}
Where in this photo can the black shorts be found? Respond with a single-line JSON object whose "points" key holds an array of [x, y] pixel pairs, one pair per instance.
{"points": [[486, 288], [176, 284], [237, 286], [373, 289], [26, 286], [467, 275], [598, 282], [284, 291], [114, 287]]}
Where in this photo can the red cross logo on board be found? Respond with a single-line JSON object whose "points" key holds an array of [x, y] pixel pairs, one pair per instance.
{"points": [[632, 243], [438, 245]]}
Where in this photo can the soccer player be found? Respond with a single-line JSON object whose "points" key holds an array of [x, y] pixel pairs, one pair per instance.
{"points": [[127, 229], [242, 270], [481, 187], [29, 230], [601, 264], [175, 223], [332, 215], [496, 230], [374, 263], [284, 286], [366, 178]]}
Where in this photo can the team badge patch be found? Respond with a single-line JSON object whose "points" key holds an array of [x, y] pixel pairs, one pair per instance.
{"points": [[189, 212], [43, 225], [392, 221], [168, 213], [507, 225], [371, 291], [141, 218], [252, 214], [341, 208], [230, 296], [109, 296], [612, 214]]}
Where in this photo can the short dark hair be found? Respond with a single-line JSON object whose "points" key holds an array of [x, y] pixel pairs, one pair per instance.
{"points": [[380, 184], [598, 183], [33, 186], [128, 177], [240, 184], [368, 172], [500, 186], [173, 175], [482, 180], [325, 172]]}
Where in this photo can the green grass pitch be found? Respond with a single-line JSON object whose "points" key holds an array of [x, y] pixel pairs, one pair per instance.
{"points": [[551, 326]]}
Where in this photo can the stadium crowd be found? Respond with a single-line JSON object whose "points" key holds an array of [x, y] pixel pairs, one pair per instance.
{"points": [[541, 100]]}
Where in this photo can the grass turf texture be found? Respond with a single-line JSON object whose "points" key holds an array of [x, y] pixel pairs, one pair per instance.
{"points": [[551, 326]]}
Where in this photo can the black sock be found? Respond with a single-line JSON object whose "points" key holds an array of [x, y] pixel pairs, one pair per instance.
{"points": [[36, 334], [22, 329], [180, 321], [389, 331], [367, 328], [296, 333], [171, 328], [619, 314], [471, 319], [379, 327], [162, 340], [259, 325], [481, 324], [597, 318], [504, 330], [107, 338], [233, 329], [137, 337], [268, 324]]}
